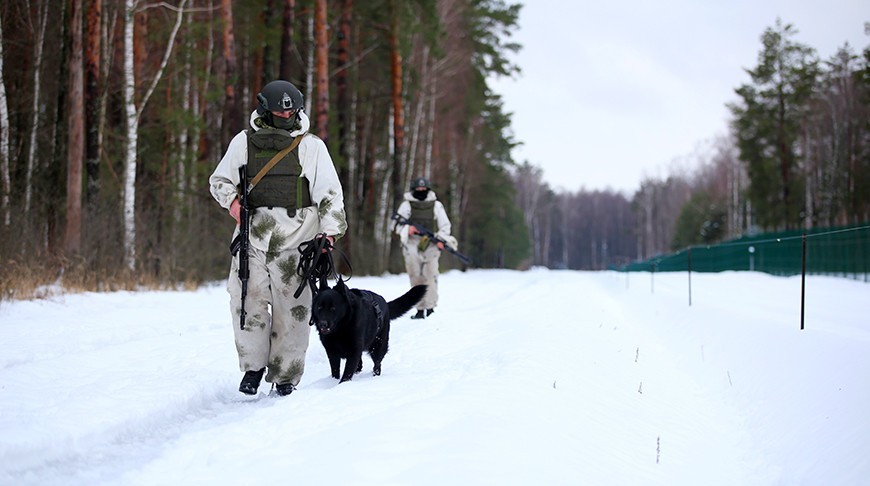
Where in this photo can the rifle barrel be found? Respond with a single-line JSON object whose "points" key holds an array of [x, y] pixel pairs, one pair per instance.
{"points": [[426, 231]]}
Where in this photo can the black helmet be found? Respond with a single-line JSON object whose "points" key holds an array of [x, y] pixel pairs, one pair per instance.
{"points": [[278, 95], [420, 182]]}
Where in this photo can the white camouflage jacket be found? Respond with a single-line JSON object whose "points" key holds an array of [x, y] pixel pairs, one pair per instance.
{"points": [[444, 226], [274, 230]]}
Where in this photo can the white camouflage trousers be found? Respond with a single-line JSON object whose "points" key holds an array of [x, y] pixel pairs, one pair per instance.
{"points": [[422, 268], [276, 329]]}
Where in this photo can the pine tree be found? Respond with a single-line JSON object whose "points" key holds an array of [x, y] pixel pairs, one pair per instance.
{"points": [[767, 124]]}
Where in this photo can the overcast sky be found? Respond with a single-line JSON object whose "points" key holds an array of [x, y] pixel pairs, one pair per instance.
{"points": [[612, 92]]}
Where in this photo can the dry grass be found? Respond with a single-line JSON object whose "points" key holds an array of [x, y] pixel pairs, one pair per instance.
{"points": [[39, 279]]}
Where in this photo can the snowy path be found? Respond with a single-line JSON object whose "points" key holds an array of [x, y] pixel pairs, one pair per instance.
{"points": [[535, 377]]}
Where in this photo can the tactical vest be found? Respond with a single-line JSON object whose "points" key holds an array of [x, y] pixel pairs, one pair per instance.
{"points": [[282, 186], [423, 213]]}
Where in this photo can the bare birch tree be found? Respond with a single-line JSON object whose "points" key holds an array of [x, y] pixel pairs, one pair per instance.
{"points": [[132, 140], [4, 139], [132, 122], [38, 46], [187, 105]]}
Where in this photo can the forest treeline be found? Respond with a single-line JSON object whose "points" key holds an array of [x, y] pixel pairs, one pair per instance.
{"points": [[114, 112], [796, 155]]}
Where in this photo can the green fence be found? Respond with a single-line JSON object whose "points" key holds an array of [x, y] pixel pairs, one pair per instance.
{"points": [[843, 252]]}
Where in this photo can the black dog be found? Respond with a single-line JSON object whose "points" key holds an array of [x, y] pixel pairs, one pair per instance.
{"points": [[351, 321]]}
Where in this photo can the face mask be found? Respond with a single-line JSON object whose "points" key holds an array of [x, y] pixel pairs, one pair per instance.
{"points": [[420, 195], [282, 123]]}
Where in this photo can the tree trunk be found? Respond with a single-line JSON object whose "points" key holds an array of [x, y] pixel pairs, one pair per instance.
{"points": [[322, 70], [784, 162], [185, 154], [207, 150], [133, 115], [92, 103], [341, 86], [34, 123], [264, 71], [398, 123], [309, 69], [232, 111], [417, 118], [132, 126], [344, 113], [56, 117], [398, 108], [4, 140], [72, 240], [430, 123], [285, 71]]}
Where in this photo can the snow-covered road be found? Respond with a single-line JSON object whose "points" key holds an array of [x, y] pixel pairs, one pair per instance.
{"points": [[544, 377]]}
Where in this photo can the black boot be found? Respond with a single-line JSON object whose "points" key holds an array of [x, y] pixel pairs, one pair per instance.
{"points": [[284, 389], [251, 381], [419, 315]]}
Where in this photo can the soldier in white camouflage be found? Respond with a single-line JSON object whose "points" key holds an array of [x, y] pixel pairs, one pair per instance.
{"points": [[296, 200], [421, 206]]}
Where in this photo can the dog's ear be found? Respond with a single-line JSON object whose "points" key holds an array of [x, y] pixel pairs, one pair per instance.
{"points": [[340, 286]]}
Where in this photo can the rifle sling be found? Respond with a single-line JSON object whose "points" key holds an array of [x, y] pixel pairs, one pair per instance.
{"points": [[266, 168]]}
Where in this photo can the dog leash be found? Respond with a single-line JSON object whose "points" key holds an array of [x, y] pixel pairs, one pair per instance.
{"points": [[316, 264]]}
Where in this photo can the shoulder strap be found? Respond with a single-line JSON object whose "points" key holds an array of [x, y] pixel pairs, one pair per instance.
{"points": [[266, 168]]}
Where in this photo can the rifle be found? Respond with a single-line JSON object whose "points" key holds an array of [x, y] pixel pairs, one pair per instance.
{"points": [[242, 242], [399, 219]]}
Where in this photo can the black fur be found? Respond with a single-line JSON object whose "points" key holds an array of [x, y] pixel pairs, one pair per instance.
{"points": [[351, 321]]}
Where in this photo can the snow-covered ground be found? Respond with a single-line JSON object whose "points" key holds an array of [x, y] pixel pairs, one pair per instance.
{"points": [[538, 377]]}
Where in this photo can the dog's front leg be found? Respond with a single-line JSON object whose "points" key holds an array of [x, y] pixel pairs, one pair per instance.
{"points": [[350, 366], [334, 364]]}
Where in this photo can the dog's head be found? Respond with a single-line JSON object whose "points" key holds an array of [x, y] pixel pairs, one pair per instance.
{"points": [[329, 307]]}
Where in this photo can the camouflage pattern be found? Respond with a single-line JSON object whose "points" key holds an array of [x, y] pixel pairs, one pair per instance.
{"points": [[421, 256], [276, 332], [278, 340], [422, 268]]}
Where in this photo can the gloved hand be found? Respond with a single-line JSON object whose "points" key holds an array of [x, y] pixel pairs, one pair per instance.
{"points": [[235, 210]]}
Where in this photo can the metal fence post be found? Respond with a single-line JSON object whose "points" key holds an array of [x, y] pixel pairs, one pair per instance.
{"points": [[803, 276]]}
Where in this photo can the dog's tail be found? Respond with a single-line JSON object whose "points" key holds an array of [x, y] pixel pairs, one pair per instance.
{"points": [[403, 304]]}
